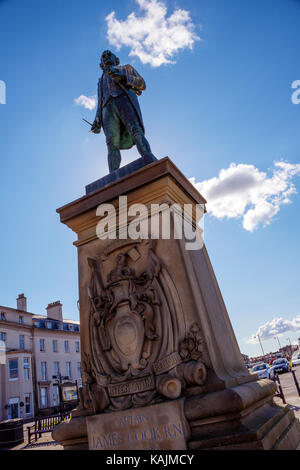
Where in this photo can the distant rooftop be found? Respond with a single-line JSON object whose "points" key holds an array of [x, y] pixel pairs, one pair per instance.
{"points": [[40, 321], [53, 320]]}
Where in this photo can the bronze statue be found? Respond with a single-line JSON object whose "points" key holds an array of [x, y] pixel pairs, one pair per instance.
{"points": [[118, 110]]}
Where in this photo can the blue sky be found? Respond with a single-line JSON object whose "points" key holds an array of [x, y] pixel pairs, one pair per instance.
{"points": [[225, 100]]}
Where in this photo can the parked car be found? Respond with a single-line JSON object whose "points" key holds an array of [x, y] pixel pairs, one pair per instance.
{"points": [[296, 360], [263, 370], [281, 365], [254, 365]]}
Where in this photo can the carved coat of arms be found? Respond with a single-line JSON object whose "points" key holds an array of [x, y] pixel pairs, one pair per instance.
{"points": [[136, 322]]}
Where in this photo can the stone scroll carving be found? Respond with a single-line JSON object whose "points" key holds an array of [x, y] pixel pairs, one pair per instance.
{"points": [[136, 356]]}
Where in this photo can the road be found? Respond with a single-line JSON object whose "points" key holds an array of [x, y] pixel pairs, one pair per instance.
{"points": [[290, 390]]}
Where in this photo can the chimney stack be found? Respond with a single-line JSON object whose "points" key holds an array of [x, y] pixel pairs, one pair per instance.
{"points": [[22, 303], [54, 311]]}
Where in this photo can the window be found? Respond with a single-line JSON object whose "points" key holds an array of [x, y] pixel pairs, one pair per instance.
{"points": [[2, 353], [42, 345], [44, 400], [26, 368], [259, 367], [3, 337], [66, 346], [77, 346], [13, 369], [2, 316], [21, 320], [68, 369], [21, 342], [27, 404], [54, 345], [78, 370], [36, 324], [56, 368], [49, 325], [44, 370]]}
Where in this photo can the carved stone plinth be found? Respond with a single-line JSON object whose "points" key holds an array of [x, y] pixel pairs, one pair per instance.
{"points": [[154, 327], [154, 427]]}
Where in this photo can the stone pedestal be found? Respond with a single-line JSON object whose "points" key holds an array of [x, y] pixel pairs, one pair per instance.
{"points": [[155, 330]]}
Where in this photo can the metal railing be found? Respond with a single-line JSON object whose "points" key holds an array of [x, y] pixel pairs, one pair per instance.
{"points": [[279, 392], [296, 382]]}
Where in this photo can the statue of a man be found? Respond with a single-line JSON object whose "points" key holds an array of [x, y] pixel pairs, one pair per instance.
{"points": [[118, 110]]}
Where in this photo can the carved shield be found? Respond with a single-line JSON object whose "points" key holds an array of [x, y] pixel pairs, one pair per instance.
{"points": [[126, 333]]}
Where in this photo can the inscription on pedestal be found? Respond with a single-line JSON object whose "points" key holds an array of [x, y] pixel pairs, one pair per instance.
{"points": [[156, 427]]}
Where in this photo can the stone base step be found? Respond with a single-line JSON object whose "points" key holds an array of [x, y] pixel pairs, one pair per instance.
{"points": [[271, 427]]}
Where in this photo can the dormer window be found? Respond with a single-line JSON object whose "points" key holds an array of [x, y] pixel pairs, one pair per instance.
{"points": [[21, 320], [49, 325], [2, 316], [36, 324]]}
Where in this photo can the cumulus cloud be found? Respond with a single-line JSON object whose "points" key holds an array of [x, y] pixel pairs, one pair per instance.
{"points": [[152, 36], [88, 102], [243, 192], [275, 327]]}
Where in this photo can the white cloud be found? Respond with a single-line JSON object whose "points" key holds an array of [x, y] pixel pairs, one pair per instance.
{"points": [[152, 37], [243, 192], [277, 326], [88, 102]]}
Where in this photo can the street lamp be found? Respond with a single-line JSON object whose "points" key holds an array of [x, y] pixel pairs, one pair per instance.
{"points": [[291, 347], [257, 336], [58, 384], [276, 337]]}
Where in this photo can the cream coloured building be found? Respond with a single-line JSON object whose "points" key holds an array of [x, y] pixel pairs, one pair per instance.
{"points": [[33, 349]]}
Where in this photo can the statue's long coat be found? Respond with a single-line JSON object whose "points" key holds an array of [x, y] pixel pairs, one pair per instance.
{"points": [[109, 89]]}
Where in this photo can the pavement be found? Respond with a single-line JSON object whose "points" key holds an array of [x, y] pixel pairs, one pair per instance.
{"points": [[45, 442], [294, 404], [290, 392], [287, 382]]}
